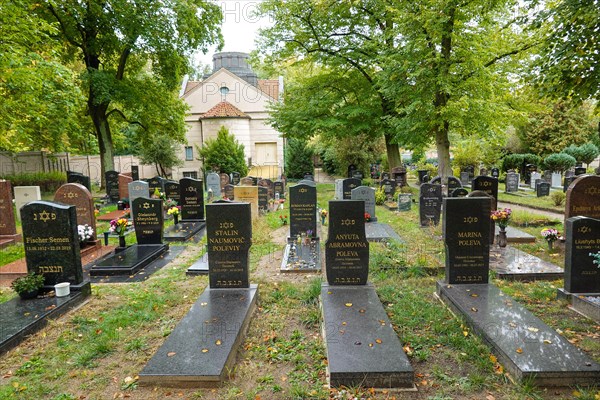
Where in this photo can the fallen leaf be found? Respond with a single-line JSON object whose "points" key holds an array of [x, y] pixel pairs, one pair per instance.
{"points": [[378, 341], [531, 329], [474, 295], [218, 342], [493, 358], [546, 341], [519, 350], [473, 309], [348, 304], [171, 354], [205, 350], [466, 333]]}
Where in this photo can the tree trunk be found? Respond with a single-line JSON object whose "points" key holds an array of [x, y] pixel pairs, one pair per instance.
{"points": [[393, 152], [105, 143], [442, 144]]}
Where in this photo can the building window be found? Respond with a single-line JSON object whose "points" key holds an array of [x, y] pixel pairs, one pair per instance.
{"points": [[191, 174], [189, 153]]}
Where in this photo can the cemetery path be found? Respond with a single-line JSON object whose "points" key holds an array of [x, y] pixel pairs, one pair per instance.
{"points": [[545, 213]]}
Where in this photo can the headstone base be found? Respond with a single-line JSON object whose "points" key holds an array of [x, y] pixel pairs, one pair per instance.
{"points": [[200, 267], [362, 346], [377, 232], [303, 258], [91, 247], [514, 235], [526, 347], [130, 261], [201, 350], [21, 318], [588, 306], [183, 231], [512, 263], [563, 294], [7, 240]]}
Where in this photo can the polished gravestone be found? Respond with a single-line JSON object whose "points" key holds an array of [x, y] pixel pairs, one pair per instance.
{"points": [[217, 322], [488, 185], [77, 195], [124, 181], [302, 252], [148, 223], [379, 232], [228, 192], [278, 187], [512, 182], [459, 192], [200, 266], [76, 177], [248, 194], [582, 276], [583, 197], [235, 178], [404, 201], [191, 201], [267, 183], [157, 182], [466, 229], [347, 186], [135, 172], [8, 227], [430, 204], [112, 186], [224, 179], [542, 189], [366, 194], [362, 346], [172, 191], [213, 182], [24, 195], [263, 198], [527, 348], [514, 264], [52, 244], [588, 306], [137, 189]]}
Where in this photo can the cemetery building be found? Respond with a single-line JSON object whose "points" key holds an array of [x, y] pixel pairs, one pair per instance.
{"points": [[233, 97]]}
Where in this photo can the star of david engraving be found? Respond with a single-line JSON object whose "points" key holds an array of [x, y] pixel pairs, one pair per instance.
{"points": [[146, 206], [44, 216]]}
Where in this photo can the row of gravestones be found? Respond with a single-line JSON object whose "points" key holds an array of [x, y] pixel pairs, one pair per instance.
{"points": [[219, 186]]}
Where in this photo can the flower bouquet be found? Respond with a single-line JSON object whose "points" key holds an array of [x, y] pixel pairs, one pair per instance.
{"points": [[323, 215], [119, 226], [501, 217], [367, 217], [551, 235], [284, 219], [85, 233], [174, 211]]}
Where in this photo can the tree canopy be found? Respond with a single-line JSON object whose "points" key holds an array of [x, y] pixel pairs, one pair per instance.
{"points": [[223, 153]]}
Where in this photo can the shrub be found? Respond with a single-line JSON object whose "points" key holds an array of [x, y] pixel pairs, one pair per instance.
{"points": [[225, 153], [512, 161], [298, 159], [558, 198], [559, 162], [47, 181], [586, 153], [380, 196]]}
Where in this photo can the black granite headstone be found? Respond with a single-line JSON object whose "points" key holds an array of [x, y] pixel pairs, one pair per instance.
{"points": [[422, 173], [156, 183], [488, 185], [303, 210], [76, 177], [465, 178], [112, 186], [583, 238], [229, 236], [172, 191], [466, 229], [347, 249], [389, 187], [542, 189], [263, 198], [385, 175], [279, 188], [459, 192], [308, 177], [495, 173], [191, 195], [148, 220], [430, 204], [580, 171], [235, 178], [228, 192], [512, 182], [135, 173], [568, 181], [350, 171], [404, 201], [51, 242]]}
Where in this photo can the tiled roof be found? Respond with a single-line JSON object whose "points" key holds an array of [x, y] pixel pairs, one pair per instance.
{"points": [[190, 85], [270, 87], [224, 110]]}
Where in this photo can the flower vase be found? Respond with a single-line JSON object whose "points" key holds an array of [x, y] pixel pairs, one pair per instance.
{"points": [[122, 242], [502, 240], [322, 220], [550, 244], [175, 219]]}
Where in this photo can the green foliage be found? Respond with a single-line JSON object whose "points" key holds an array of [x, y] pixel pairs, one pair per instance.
{"points": [[27, 283], [558, 198], [380, 196], [556, 125], [517, 161], [568, 66], [223, 154], [298, 159], [467, 153], [559, 162], [337, 153], [586, 153], [48, 182], [162, 152]]}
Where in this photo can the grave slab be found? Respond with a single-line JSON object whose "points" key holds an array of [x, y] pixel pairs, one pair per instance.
{"points": [[362, 346], [301, 257], [377, 232], [515, 264], [129, 261], [183, 231], [21, 318], [514, 235], [141, 275], [200, 267], [526, 347], [201, 350], [113, 215], [588, 306]]}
